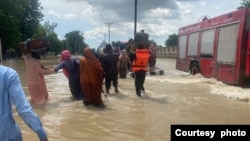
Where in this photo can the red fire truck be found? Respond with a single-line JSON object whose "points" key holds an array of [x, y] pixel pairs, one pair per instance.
{"points": [[218, 47]]}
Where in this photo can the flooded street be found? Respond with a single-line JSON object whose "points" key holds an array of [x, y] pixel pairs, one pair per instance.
{"points": [[172, 98]]}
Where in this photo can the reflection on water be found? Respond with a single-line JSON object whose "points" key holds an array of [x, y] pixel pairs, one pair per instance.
{"points": [[172, 98]]}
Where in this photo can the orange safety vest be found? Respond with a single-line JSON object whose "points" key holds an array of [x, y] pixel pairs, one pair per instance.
{"points": [[141, 61]]}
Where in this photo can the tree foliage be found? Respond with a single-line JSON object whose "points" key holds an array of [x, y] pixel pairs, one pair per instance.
{"points": [[116, 43], [75, 41], [9, 23], [244, 4], [19, 20], [40, 32], [172, 40], [65, 44], [49, 28], [55, 43], [152, 42], [30, 18], [47, 31]]}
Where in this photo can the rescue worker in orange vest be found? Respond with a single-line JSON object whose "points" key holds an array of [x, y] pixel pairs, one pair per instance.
{"points": [[139, 67]]}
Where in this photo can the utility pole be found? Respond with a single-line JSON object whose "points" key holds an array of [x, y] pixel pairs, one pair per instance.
{"points": [[1, 53], [135, 17], [109, 23]]}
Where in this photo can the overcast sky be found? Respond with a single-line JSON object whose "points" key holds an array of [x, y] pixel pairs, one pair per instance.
{"points": [[159, 18]]}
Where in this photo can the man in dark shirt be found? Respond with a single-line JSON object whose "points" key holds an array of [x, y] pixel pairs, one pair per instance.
{"points": [[109, 62]]}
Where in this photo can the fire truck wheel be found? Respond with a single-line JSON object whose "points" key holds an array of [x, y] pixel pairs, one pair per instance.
{"points": [[194, 69]]}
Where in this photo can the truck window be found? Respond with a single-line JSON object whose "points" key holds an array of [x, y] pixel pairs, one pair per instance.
{"points": [[207, 42], [182, 47], [193, 44], [227, 44]]}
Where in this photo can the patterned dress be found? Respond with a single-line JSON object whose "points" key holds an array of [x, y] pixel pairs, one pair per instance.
{"points": [[35, 80]]}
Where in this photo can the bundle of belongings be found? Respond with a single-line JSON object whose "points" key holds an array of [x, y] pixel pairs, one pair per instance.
{"points": [[141, 38], [38, 45]]}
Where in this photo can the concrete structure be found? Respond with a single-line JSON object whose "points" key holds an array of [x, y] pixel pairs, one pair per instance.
{"points": [[166, 52]]}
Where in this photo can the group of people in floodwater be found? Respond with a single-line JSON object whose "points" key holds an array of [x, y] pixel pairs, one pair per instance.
{"points": [[86, 74]]}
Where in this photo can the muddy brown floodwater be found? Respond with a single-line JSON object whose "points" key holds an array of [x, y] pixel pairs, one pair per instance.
{"points": [[172, 98]]}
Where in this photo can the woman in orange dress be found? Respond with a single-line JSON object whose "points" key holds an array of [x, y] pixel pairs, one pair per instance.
{"points": [[91, 78]]}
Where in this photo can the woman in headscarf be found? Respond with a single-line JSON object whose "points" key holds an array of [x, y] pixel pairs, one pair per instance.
{"points": [[71, 70], [35, 72], [91, 78]]}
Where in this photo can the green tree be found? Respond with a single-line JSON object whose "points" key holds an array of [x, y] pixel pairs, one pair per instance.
{"points": [[9, 24], [40, 32], [30, 18], [152, 42], [113, 43], [172, 40], [75, 41], [19, 20], [65, 45], [116, 43], [244, 4], [49, 28], [47, 31], [55, 43]]}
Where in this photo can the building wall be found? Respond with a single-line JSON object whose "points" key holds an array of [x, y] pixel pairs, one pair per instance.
{"points": [[166, 52]]}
